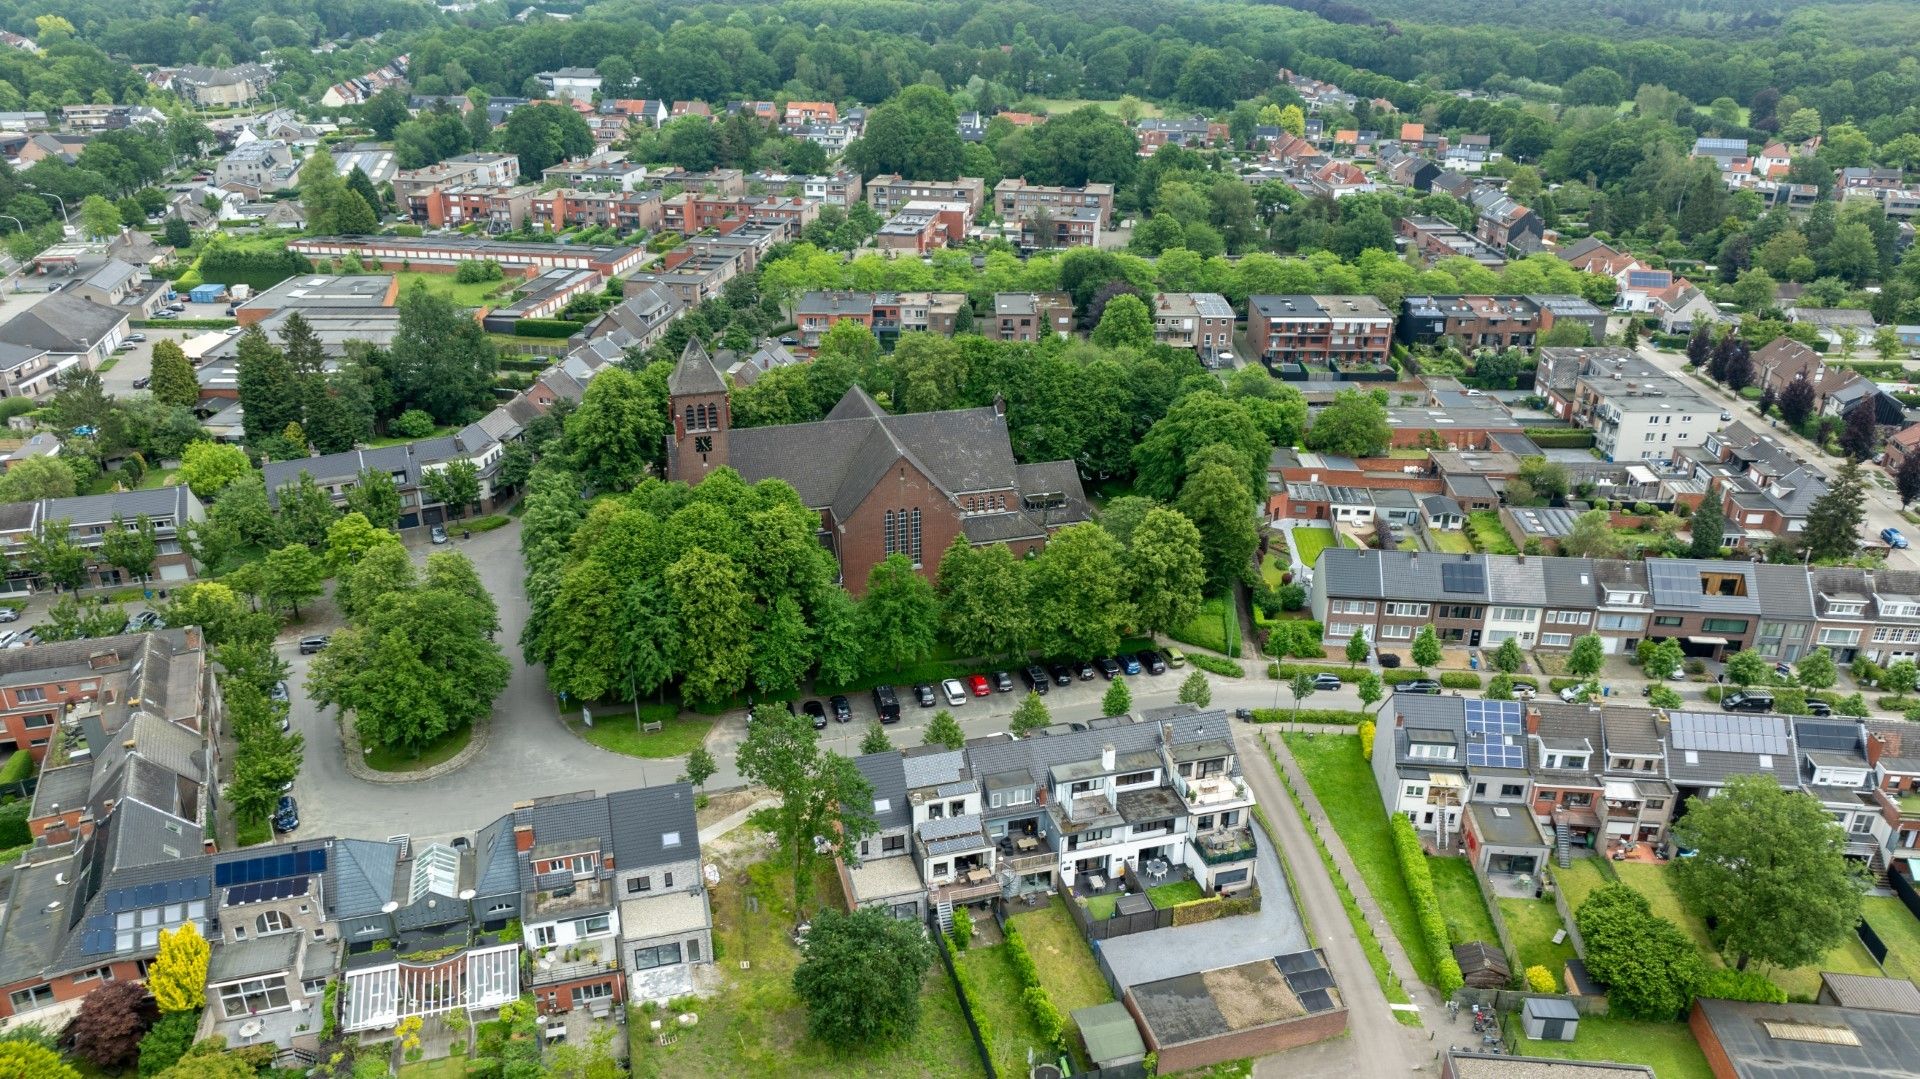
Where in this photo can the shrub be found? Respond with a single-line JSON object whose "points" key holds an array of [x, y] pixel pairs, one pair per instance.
{"points": [[1216, 665], [545, 327], [1366, 739], [1023, 966], [1560, 438], [1292, 597], [1459, 680], [1426, 904], [1730, 984], [1285, 671], [167, 1041], [483, 1068], [1047, 1020], [962, 932], [1331, 716], [970, 992], [413, 423], [1541, 980]]}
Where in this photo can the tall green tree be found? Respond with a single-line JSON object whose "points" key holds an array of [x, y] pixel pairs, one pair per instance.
{"points": [[899, 613], [618, 430], [861, 978], [1587, 656], [305, 512], [1508, 658], [173, 379], [440, 360], [1772, 871], [1126, 323], [1217, 501], [825, 803], [944, 730], [374, 497], [1077, 593], [455, 485], [983, 600], [321, 189], [131, 547], [269, 390], [1030, 715], [1193, 423], [913, 133], [207, 467], [1354, 425], [1834, 519], [1426, 647], [294, 575], [1709, 526], [36, 478], [1166, 570], [713, 621], [1816, 669], [1650, 967], [50, 554], [1118, 700]]}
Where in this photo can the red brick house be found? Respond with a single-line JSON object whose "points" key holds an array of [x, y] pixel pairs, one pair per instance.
{"points": [[882, 484]]}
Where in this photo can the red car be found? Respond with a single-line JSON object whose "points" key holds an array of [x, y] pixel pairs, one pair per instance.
{"points": [[978, 684]]}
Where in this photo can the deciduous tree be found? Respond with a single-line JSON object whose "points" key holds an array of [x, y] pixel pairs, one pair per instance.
{"points": [[1771, 869], [825, 803], [1588, 653], [1507, 658], [177, 978], [1426, 647], [294, 575], [898, 614], [983, 600], [1217, 501], [861, 978], [374, 497], [112, 1019], [1196, 690], [1354, 425], [1816, 669], [1126, 322], [36, 478], [1030, 715], [1077, 593], [1650, 967], [131, 547], [1796, 402], [1166, 570]]}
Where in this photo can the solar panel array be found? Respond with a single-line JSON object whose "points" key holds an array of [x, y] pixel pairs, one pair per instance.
{"points": [[1836, 737], [1730, 734], [267, 891], [144, 896], [1493, 734], [1309, 979], [269, 866], [1468, 578]]}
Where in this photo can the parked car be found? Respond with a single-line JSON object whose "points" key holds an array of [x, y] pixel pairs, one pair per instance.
{"points": [[1326, 681], [279, 692], [1109, 667], [142, 383], [286, 815], [1130, 663], [1152, 661], [1002, 682], [1750, 700], [1062, 674], [142, 621], [1590, 690], [1243, 713], [165, 314], [1422, 685], [1176, 658], [955, 692], [316, 643], [231, 331], [1818, 707], [923, 694], [126, 346], [136, 338], [8, 614], [978, 684], [816, 712], [842, 708], [1894, 539], [1783, 671], [1388, 660], [1035, 676], [1083, 669], [438, 534], [886, 704]]}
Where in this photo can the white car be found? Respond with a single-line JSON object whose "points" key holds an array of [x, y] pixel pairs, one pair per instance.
{"points": [[956, 693]]}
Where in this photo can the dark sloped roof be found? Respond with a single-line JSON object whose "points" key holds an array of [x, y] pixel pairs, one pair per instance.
{"points": [[694, 374], [359, 878], [642, 819]]}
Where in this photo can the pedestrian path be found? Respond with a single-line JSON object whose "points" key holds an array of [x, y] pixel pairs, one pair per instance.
{"points": [[733, 820]]}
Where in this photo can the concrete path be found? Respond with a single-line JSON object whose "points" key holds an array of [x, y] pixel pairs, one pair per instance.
{"points": [[1377, 1045], [733, 820]]}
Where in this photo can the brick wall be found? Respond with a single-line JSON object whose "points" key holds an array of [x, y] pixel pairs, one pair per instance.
{"points": [[862, 535], [1717, 1059], [1240, 1044]]}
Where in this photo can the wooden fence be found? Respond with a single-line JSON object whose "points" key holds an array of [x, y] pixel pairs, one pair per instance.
{"points": [[1500, 926], [1509, 1000]]}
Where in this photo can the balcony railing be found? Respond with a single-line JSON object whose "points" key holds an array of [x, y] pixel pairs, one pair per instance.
{"points": [[1221, 848], [1028, 863]]}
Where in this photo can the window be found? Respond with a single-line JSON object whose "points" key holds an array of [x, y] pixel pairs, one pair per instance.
{"points": [[1556, 640], [1577, 618], [271, 921], [1512, 790], [30, 695], [1393, 632], [1479, 788], [254, 996], [1575, 799], [44, 719], [1430, 751], [543, 936], [1409, 610], [1862, 823], [938, 869], [1204, 824], [1842, 637], [670, 839], [1132, 778], [1667, 620], [957, 808], [1724, 625], [584, 993], [666, 880], [599, 923], [936, 810], [893, 844], [1514, 614], [639, 884], [103, 974], [26, 1000], [1656, 803], [1623, 621]]}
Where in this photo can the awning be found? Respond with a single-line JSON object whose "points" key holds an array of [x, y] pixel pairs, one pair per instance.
{"points": [[1622, 790], [1707, 640]]}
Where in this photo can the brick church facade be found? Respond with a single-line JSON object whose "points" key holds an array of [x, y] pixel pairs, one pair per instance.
{"points": [[882, 484]]}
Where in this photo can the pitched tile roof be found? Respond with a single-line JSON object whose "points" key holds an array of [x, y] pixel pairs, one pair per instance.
{"points": [[643, 819]]}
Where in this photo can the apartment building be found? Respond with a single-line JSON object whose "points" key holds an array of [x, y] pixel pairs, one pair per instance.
{"points": [[571, 83], [1201, 321], [445, 252], [921, 227], [1340, 332], [1014, 199], [888, 193], [1648, 419], [1029, 316], [1433, 239], [476, 169], [814, 313], [623, 211]]}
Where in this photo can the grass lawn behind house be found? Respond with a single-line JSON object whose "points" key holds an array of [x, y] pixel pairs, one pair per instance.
{"points": [[1311, 541], [1901, 932], [1451, 542], [1532, 924], [1490, 533], [1005, 1012], [1215, 628], [1344, 785], [1461, 901], [1101, 907], [444, 1068], [1668, 1048], [1174, 894], [463, 295], [1062, 956]]}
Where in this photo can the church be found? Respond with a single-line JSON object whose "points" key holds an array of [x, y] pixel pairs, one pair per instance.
{"points": [[882, 484]]}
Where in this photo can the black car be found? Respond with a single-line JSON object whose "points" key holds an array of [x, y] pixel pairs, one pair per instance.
{"points": [[1002, 681], [1109, 667], [888, 705], [316, 643], [842, 708], [1818, 707], [1424, 685], [1062, 674], [1035, 676], [1084, 669], [286, 815], [817, 712], [1389, 660], [142, 382], [1753, 700], [1152, 662], [1326, 681], [924, 695]]}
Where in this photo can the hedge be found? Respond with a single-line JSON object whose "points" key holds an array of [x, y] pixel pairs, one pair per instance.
{"points": [[181, 323], [1459, 680], [1670, 340], [1299, 638], [1426, 903], [1286, 671], [545, 327], [1216, 665], [1560, 438], [1449, 679], [1212, 908], [1047, 1019], [1751, 985], [1331, 716], [970, 993]]}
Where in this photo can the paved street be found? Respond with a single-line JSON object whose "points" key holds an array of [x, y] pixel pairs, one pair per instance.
{"points": [[1882, 504]]}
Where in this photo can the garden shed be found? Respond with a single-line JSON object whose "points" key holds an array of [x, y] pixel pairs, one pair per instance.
{"points": [[208, 293], [1482, 965], [1550, 1019], [1112, 1037]]}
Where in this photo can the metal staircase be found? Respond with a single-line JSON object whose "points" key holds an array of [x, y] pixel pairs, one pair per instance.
{"points": [[1562, 842], [943, 910]]}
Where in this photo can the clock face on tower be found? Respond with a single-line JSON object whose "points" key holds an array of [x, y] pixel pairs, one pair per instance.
{"points": [[703, 444]]}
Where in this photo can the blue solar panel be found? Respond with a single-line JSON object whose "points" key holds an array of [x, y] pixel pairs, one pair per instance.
{"points": [[269, 867], [1466, 577]]}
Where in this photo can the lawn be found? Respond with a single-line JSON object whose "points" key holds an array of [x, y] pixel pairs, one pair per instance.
{"points": [[444, 1068], [401, 440], [614, 729], [757, 1025], [1100, 907], [1002, 1008], [1271, 567], [443, 284], [1451, 542], [1057, 106], [1460, 900], [1532, 924], [1174, 894], [1215, 628], [1668, 1048], [1062, 957], [1343, 783], [1311, 541], [248, 833], [1900, 930], [384, 759], [1489, 534]]}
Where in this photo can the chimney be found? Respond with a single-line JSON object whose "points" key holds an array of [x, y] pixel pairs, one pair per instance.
{"points": [[1533, 720], [1399, 719], [1876, 748], [1106, 757], [522, 837]]}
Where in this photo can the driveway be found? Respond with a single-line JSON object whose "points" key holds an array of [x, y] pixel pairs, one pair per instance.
{"points": [[1225, 942]]}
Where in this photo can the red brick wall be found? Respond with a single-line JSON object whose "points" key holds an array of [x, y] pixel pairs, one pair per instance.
{"points": [[862, 535], [65, 987], [1717, 1058], [1476, 438], [1256, 1042], [558, 997]]}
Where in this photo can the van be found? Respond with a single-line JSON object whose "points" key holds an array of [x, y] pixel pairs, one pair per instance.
{"points": [[1176, 658], [1756, 700], [886, 703]]}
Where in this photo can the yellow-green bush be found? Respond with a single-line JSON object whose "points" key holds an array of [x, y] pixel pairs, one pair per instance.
{"points": [[1541, 980]]}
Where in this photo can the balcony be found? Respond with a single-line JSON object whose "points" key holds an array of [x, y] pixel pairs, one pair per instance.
{"points": [[1219, 848], [1215, 790], [583, 959]]}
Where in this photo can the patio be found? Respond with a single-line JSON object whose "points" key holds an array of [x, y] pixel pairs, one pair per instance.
{"points": [[1274, 929], [1514, 885]]}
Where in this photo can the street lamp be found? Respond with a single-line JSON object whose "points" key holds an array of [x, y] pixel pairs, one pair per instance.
{"points": [[65, 218]]}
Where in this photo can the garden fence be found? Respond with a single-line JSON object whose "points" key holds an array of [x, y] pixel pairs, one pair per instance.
{"points": [[1875, 946], [1500, 925], [1903, 888], [1509, 1000], [1566, 919], [966, 1006]]}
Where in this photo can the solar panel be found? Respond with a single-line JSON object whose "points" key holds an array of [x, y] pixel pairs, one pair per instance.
{"points": [[269, 866], [1317, 978], [1316, 1001], [1730, 734], [1295, 962], [1464, 577]]}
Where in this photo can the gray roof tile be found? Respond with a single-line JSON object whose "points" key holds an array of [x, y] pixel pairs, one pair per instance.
{"points": [[643, 818]]}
